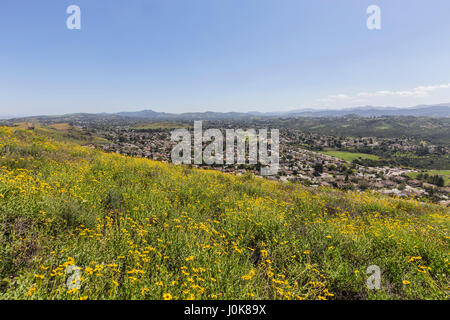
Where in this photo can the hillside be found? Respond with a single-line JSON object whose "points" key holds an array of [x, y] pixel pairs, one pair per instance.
{"points": [[134, 228]]}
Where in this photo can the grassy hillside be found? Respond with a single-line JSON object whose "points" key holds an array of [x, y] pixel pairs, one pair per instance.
{"points": [[139, 229], [62, 132], [160, 125], [350, 156]]}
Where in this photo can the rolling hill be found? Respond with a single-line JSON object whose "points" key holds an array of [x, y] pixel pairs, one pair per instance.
{"points": [[77, 223]]}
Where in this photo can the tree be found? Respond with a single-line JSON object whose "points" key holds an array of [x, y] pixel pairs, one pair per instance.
{"points": [[440, 181], [318, 169]]}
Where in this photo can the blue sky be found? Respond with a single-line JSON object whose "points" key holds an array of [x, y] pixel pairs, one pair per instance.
{"points": [[221, 55]]}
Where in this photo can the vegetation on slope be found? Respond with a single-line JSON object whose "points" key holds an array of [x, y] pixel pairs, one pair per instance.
{"points": [[63, 132], [139, 229], [423, 175], [350, 156]]}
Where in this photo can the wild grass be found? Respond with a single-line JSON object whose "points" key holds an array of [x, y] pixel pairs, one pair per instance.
{"points": [[160, 125], [138, 229], [350, 156]]}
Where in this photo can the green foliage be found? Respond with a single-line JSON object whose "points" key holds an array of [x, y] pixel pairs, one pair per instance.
{"points": [[140, 229]]}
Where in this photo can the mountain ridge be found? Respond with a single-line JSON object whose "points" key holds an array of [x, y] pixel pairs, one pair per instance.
{"points": [[436, 110]]}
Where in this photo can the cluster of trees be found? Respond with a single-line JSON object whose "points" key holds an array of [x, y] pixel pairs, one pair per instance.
{"points": [[432, 179], [417, 159]]}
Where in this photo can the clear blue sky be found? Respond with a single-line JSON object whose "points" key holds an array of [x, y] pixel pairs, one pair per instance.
{"points": [[221, 55]]}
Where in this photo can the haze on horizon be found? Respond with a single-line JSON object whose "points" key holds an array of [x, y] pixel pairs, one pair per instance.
{"points": [[253, 55]]}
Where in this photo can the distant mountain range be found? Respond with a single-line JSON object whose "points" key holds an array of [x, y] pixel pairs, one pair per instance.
{"points": [[436, 111], [441, 110]]}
